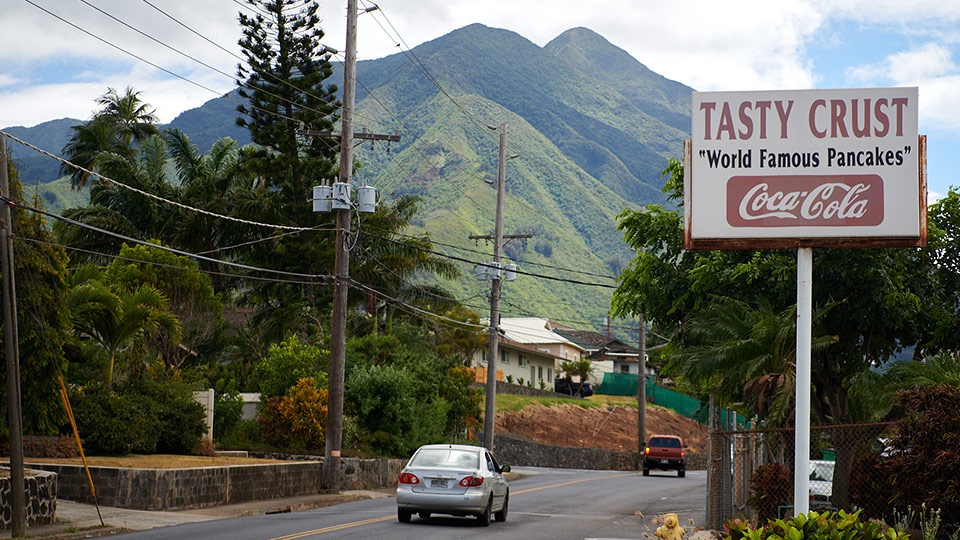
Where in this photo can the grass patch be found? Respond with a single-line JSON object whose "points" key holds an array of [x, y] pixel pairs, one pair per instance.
{"points": [[513, 403]]}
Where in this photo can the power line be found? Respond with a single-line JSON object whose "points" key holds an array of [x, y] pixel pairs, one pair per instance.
{"points": [[151, 195], [224, 49], [157, 66], [158, 246]]}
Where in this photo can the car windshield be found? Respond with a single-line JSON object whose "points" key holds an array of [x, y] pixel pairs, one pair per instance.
{"points": [[665, 442], [446, 457]]}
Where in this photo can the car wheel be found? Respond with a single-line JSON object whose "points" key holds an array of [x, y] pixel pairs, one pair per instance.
{"points": [[501, 516], [424, 515], [484, 519], [404, 515], [681, 473], [646, 471]]}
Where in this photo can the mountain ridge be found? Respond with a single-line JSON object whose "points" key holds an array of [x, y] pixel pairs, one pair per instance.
{"points": [[593, 128]]}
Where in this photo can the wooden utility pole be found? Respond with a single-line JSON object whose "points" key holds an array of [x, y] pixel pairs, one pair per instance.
{"points": [[642, 392], [490, 411], [18, 519], [341, 264], [341, 285]]}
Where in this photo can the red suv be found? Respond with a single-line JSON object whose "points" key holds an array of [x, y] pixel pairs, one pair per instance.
{"points": [[666, 453]]}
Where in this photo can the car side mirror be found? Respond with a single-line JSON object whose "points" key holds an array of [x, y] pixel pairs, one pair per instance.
{"points": [[505, 468]]}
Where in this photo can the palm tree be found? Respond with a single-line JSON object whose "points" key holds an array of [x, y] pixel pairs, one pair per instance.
{"points": [[118, 321], [121, 210], [392, 263], [123, 122], [746, 355]]}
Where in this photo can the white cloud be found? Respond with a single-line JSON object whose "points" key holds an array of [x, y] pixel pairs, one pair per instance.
{"points": [[8, 79], [930, 61]]}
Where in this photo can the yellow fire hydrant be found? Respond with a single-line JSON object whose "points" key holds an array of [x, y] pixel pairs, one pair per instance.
{"points": [[671, 529]]}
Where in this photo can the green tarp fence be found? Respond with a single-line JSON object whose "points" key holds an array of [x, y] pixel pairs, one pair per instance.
{"points": [[625, 384]]}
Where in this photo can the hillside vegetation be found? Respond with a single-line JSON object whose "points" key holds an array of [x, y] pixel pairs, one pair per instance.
{"points": [[589, 130]]}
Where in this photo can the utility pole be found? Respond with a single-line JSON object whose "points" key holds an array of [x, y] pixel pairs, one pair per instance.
{"points": [[490, 410], [341, 283], [642, 392], [497, 277], [341, 286], [18, 522]]}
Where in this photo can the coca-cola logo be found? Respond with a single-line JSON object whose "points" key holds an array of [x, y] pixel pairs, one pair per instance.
{"points": [[805, 201]]}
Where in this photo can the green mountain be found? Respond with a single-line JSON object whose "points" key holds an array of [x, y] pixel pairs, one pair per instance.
{"points": [[593, 129], [589, 130]]}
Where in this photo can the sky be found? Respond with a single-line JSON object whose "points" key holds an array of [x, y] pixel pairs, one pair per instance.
{"points": [[58, 56]]}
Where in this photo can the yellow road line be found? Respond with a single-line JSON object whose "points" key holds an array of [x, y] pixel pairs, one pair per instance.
{"points": [[333, 528]]}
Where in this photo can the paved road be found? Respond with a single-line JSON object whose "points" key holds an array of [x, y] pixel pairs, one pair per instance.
{"points": [[544, 503]]}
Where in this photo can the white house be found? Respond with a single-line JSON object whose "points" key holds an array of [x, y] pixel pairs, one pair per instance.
{"points": [[531, 351]]}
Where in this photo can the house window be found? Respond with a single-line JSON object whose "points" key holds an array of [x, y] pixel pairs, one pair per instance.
{"points": [[540, 372], [504, 357], [522, 360], [549, 373], [483, 357], [624, 368]]}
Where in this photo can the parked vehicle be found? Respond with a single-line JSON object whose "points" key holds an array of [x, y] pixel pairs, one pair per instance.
{"points": [[665, 453], [821, 482], [453, 479], [565, 385]]}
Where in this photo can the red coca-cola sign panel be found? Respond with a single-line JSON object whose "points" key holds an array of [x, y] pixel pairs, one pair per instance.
{"points": [[805, 201]]}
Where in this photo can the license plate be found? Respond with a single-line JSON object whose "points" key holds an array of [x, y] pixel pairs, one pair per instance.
{"points": [[664, 461], [438, 482]]}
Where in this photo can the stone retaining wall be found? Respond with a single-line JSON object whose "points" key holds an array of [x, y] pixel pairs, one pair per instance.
{"points": [[178, 489], [40, 489], [531, 454]]}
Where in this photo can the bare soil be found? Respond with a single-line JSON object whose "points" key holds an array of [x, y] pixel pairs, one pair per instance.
{"points": [[611, 427]]}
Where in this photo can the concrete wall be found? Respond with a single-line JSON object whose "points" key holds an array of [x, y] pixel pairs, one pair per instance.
{"points": [[40, 490], [510, 451], [177, 489]]}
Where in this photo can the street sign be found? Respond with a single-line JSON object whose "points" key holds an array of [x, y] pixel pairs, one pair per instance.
{"points": [[805, 168]]}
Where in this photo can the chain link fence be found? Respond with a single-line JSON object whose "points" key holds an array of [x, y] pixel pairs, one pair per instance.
{"points": [[750, 473]]}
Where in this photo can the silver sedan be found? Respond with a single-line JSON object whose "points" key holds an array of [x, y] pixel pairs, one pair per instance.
{"points": [[453, 479]]}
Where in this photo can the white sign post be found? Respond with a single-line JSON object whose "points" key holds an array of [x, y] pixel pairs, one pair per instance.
{"points": [[803, 169]]}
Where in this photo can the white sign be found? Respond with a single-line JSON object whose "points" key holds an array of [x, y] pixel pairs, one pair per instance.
{"points": [[805, 164]]}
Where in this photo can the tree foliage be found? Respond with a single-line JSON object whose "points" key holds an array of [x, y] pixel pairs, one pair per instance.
{"points": [[296, 420], [288, 362], [39, 270], [403, 395], [190, 295], [923, 465], [119, 320], [122, 122]]}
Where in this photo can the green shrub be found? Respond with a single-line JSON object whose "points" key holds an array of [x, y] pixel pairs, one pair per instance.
{"points": [[147, 418], [227, 412], [821, 526], [287, 363], [181, 419], [398, 412], [111, 423], [245, 435]]}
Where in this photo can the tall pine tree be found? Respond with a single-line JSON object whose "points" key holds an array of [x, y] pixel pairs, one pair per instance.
{"points": [[283, 82]]}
